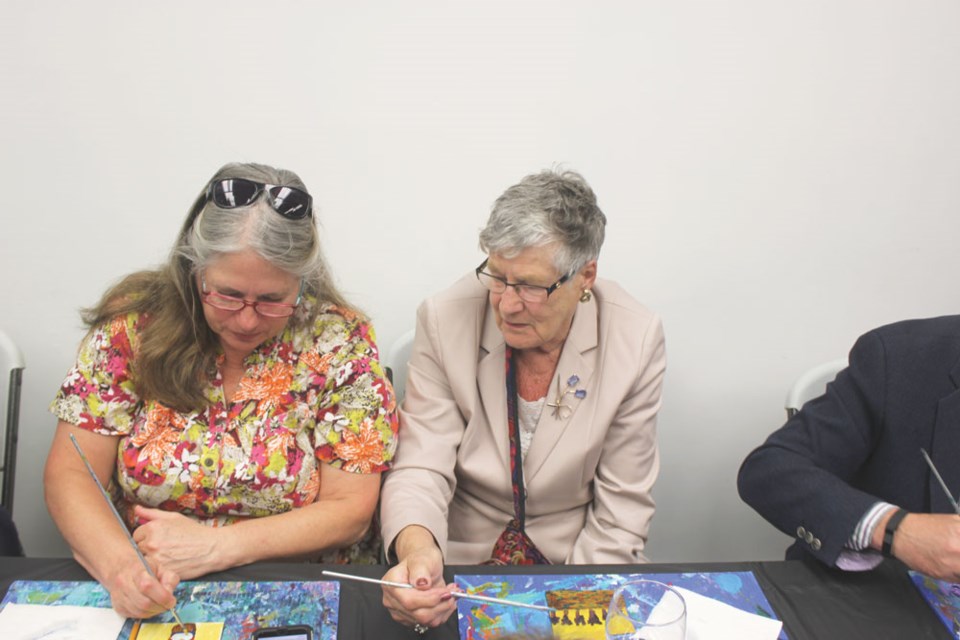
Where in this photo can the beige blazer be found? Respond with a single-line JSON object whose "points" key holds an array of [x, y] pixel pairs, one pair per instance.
{"points": [[588, 474]]}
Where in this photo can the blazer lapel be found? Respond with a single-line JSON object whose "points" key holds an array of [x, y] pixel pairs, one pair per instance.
{"points": [[575, 370], [491, 383], [946, 446]]}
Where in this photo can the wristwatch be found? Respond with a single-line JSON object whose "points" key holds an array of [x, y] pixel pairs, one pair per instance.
{"points": [[891, 529]]}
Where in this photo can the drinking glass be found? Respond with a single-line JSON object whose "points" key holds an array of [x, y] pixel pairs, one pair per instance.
{"points": [[646, 610]]}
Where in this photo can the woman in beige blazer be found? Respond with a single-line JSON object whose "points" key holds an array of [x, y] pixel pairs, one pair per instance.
{"points": [[588, 361]]}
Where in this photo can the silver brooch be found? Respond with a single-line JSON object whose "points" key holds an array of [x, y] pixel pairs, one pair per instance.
{"points": [[561, 409]]}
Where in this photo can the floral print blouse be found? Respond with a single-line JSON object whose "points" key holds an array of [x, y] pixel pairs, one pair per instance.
{"points": [[312, 395]]}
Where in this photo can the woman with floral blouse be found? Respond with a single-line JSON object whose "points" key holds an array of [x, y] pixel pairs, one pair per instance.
{"points": [[233, 386]]}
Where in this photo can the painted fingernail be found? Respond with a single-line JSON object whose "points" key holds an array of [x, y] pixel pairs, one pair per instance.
{"points": [[446, 597], [422, 582]]}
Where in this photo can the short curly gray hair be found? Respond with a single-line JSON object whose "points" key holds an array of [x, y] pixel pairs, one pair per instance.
{"points": [[548, 207]]}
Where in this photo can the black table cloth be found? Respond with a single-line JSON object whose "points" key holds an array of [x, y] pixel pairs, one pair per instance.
{"points": [[814, 602]]}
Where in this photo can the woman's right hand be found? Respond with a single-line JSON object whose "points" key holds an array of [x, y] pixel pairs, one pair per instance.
{"points": [[134, 593], [90, 527], [430, 602]]}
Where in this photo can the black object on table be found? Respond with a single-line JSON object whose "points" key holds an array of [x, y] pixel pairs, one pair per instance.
{"points": [[814, 602]]}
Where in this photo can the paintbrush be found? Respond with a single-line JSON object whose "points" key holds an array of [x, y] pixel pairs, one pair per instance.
{"points": [[116, 514], [943, 484], [455, 594]]}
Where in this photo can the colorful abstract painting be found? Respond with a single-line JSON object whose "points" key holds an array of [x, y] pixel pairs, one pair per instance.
{"points": [[242, 607], [943, 597], [581, 601]]}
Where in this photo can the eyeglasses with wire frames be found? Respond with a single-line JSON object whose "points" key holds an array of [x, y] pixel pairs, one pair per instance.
{"points": [[231, 193], [532, 293], [266, 309]]}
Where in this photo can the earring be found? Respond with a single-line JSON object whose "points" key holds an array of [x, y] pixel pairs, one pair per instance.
{"points": [[586, 295]]}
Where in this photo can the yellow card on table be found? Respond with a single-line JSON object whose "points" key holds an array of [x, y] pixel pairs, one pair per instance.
{"points": [[579, 615], [173, 631]]}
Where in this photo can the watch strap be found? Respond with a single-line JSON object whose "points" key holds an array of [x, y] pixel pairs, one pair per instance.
{"points": [[889, 530]]}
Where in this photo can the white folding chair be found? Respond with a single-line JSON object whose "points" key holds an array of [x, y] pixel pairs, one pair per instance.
{"points": [[12, 362], [812, 383], [396, 360]]}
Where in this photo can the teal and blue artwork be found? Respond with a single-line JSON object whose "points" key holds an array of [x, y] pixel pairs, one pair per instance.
{"points": [[581, 601], [243, 607]]}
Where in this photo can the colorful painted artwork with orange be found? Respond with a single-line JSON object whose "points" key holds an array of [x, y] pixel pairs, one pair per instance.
{"points": [[240, 608], [580, 602]]}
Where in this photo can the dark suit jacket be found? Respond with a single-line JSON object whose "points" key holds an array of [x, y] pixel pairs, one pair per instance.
{"points": [[816, 476]]}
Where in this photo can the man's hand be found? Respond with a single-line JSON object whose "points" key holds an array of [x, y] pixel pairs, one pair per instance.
{"points": [[926, 542]]}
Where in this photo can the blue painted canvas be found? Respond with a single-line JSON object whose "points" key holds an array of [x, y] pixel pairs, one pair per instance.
{"points": [[943, 597], [592, 593], [242, 606]]}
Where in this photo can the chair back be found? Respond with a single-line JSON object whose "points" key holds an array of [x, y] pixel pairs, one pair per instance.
{"points": [[811, 384], [396, 360], [12, 363], [10, 544]]}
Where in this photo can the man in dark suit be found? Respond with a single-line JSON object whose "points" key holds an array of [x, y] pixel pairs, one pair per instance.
{"points": [[846, 475]]}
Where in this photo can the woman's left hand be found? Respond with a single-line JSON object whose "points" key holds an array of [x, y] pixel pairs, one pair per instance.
{"points": [[177, 543]]}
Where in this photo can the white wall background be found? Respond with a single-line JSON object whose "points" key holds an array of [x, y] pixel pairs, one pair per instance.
{"points": [[778, 176]]}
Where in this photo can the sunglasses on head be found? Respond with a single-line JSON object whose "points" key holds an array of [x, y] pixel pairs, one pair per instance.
{"points": [[290, 202]]}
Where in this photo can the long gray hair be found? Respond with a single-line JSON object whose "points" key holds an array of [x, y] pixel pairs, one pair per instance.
{"points": [[552, 206], [290, 245], [177, 351]]}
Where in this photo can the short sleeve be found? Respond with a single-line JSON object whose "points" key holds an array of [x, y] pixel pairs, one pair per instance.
{"points": [[98, 393], [356, 408]]}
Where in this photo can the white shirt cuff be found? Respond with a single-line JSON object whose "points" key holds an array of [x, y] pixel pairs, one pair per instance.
{"points": [[863, 534], [850, 560]]}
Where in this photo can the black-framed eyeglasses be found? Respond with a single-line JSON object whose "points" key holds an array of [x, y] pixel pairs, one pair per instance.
{"points": [[290, 202], [528, 292], [230, 303]]}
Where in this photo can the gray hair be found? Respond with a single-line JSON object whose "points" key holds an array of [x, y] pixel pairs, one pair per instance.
{"points": [[290, 245], [177, 347], [552, 206]]}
